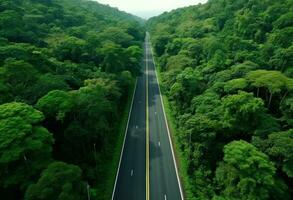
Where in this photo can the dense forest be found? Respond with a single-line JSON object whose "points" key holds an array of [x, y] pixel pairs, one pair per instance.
{"points": [[67, 70], [227, 71]]}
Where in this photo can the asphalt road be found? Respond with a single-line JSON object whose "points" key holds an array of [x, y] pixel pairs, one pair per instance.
{"points": [[164, 182], [131, 180], [147, 169]]}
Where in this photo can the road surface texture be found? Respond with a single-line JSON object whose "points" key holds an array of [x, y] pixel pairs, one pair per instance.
{"points": [[164, 183], [147, 169], [131, 179]]}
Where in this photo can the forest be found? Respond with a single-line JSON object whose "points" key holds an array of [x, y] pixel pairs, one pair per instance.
{"points": [[67, 74], [227, 71], [67, 71]]}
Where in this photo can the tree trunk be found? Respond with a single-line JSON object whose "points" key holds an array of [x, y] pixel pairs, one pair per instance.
{"points": [[270, 100], [283, 98]]}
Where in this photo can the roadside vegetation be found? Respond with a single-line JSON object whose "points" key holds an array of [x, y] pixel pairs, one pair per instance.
{"points": [[226, 69], [67, 72]]}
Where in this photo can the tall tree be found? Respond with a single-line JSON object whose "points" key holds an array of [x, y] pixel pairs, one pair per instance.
{"points": [[25, 146]]}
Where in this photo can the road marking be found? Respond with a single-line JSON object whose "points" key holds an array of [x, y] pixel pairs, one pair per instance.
{"points": [[131, 173], [125, 135], [155, 113], [136, 127], [165, 197], [159, 144], [169, 135], [147, 127]]}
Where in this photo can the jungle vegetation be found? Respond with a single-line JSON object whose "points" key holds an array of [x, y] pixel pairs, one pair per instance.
{"points": [[227, 71], [66, 72]]}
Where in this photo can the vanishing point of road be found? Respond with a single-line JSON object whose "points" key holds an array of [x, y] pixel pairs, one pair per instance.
{"points": [[147, 168]]}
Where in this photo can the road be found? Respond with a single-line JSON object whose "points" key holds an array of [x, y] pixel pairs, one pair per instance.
{"points": [[164, 183], [131, 179], [147, 169]]}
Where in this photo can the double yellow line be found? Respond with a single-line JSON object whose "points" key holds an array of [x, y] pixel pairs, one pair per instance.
{"points": [[147, 128]]}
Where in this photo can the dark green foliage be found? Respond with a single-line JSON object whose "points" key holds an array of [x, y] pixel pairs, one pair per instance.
{"points": [[25, 146], [75, 61], [58, 181], [226, 68]]}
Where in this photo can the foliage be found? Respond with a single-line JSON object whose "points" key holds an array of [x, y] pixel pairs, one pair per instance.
{"points": [[245, 172], [226, 68], [66, 184], [75, 61], [25, 146]]}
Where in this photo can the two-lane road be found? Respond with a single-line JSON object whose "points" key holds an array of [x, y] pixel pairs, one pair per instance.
{"points": [[147, 169], [164, 180]]}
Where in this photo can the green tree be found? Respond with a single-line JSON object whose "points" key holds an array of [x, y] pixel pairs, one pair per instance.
{"points": [[134, 55], [116, 35], [71, 48], [19, 76], [58, 181], [56, 104], [281, 150], [25, 146], [113, 58], [235, 85], [242, 112], [274, 81], [245, 173]]}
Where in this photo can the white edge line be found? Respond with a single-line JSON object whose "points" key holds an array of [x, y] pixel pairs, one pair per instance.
{"points": [[125, 135], [169, 135]]}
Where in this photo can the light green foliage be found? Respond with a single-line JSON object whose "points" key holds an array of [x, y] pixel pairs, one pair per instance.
{"points": [[235, 85], [58, 181], [245, 173], [178, 62], [274, 81], [56, 104], [25, 146]]}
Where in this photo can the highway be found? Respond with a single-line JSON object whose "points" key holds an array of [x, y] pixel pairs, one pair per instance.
{"points": [[164, 183], [147, 169], [131, 176]]}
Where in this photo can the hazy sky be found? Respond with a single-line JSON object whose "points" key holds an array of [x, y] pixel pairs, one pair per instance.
{"points": [[149, 8]]}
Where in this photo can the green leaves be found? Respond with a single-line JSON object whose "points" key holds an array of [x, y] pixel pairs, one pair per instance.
{"points": [[58, 181], [242, 112], [245, 173], [23, 144], [217, 62], [274, 81], [56, 104], [281, 150], [235, 85]]}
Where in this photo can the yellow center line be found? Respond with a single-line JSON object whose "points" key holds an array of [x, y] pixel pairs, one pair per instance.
{"points": [[147, 129]]}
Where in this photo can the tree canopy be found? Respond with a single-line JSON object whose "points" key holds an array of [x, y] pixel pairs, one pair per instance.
{"points": [[67, 70], [226, 69]]}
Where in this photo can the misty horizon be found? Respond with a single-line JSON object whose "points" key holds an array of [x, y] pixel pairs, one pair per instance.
{"points": [[151, 8]]}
